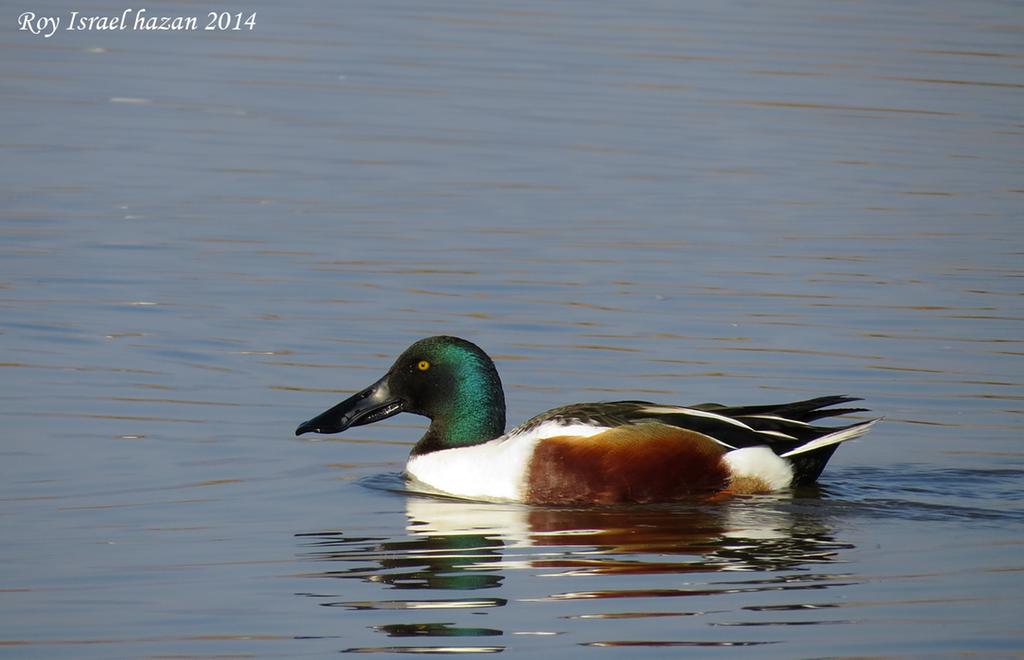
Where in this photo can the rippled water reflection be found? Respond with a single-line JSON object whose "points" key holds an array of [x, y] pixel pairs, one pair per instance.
{"points": [[740, 572], [208, 237], [463, 547]]}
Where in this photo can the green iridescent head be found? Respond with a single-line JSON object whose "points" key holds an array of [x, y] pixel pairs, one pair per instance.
{"points": [[447, 379]]}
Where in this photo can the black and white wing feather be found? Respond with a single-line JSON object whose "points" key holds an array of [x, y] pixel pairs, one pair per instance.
{"points": [[786, 428]]}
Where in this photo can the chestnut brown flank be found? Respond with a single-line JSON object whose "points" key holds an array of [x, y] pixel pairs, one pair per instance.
{"points": [[637, 463]]}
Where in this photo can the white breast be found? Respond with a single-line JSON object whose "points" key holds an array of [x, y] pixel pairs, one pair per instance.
{"points": [[495, 470]]}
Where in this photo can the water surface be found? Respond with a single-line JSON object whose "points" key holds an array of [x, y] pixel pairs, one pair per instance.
{"points": [[207, 238]]}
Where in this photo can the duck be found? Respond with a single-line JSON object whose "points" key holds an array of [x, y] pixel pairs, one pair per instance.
{"points": [[611, 452]]}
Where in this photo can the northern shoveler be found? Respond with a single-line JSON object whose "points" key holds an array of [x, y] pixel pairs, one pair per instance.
{"points": [[585, 453]]}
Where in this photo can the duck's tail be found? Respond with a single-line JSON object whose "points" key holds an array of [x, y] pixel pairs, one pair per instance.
{"points": [[764, 469], [809, 459]]}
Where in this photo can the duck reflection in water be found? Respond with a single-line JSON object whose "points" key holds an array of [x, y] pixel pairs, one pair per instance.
{"points": [[738, 535], [462, 545], [456, 555]]}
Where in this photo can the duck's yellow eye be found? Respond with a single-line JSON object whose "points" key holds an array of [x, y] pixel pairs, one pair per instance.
{"points": [[423, 365]]}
